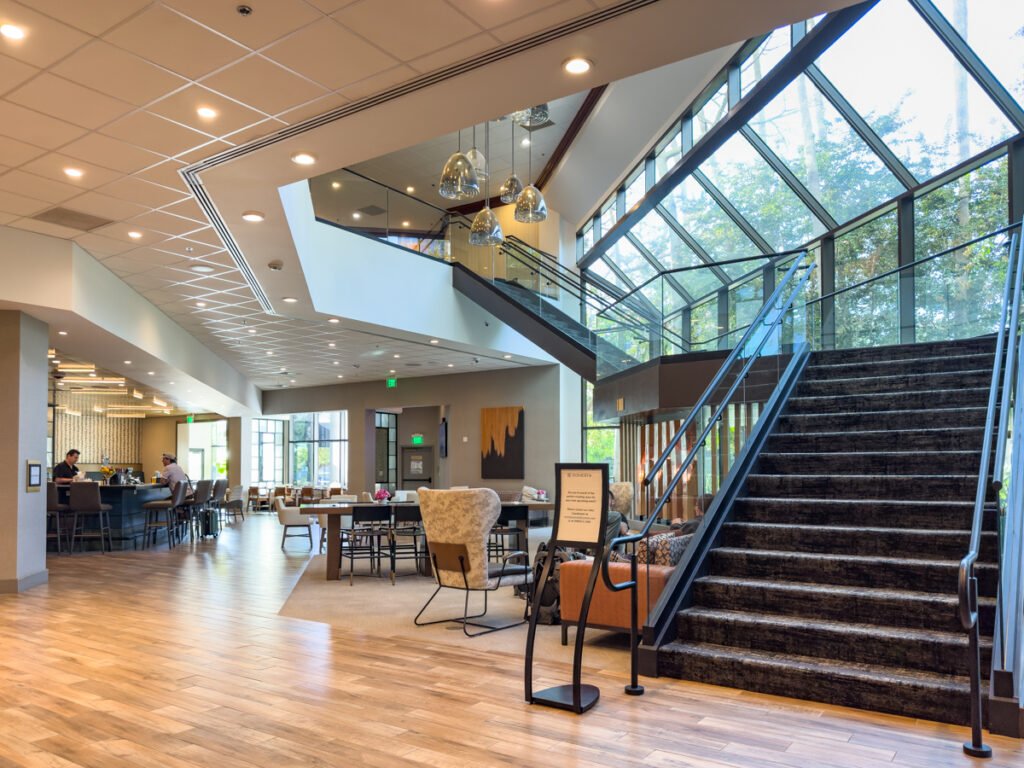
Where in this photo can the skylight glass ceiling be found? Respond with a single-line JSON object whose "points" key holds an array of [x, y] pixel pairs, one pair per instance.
{"points": [[882, 112]]}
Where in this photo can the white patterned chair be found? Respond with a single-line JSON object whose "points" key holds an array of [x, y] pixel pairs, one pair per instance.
{"points": [[458, 523]]}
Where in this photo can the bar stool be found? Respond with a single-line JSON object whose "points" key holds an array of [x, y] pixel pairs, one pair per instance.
{"points": [[84, 501], [169, 507], [197, 508], [55, 511], [216, 505]]}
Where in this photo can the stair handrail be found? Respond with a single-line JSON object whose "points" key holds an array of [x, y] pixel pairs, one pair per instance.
{"points": [[808, 264], [967, 581]]}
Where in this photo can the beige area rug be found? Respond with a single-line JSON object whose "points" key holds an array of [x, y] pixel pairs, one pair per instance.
{"points": [[375, 607]]}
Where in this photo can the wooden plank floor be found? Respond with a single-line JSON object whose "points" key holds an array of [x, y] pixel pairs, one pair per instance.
{"points": [[179, 658]]}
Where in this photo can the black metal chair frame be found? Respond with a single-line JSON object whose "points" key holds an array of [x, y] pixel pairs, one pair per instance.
{"points": [[408, 525], [369, 525], [449, 554], [171, 523]]}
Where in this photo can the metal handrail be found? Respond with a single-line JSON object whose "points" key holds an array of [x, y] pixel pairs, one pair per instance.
{"points": [[967, 582], [704, 400]]}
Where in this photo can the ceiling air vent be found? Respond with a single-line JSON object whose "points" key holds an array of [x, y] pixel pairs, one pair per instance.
{"points": [[65, 217], [372, 210]]}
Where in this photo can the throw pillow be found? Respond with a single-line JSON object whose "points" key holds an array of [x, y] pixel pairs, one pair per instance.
{"points": [[662, 549]]}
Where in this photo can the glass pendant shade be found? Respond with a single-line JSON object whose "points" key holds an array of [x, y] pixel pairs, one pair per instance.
{"points": [[486, 230], [458, 179], [479, 163], [530, 206], [510, 189]]}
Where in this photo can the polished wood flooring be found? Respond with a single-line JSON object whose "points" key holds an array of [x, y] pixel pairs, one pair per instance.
{"points": [[179, 658]]}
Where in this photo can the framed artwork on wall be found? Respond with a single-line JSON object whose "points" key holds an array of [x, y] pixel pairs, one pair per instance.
{"points": [[502, 443]]}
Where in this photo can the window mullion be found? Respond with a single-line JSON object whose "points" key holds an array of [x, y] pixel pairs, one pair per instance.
{"points": [[730, 210]]}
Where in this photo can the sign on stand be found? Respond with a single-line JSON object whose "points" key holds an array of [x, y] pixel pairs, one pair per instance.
{"points": [[581, 514]]}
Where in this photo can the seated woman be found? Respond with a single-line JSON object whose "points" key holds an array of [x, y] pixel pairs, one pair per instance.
{"points": [[700, 506]]}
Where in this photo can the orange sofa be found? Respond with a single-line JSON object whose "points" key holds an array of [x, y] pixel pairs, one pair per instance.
{"points": [[608, 610]]}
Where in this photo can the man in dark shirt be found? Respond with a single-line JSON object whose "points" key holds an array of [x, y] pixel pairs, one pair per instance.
{"points": [[66, 471]]}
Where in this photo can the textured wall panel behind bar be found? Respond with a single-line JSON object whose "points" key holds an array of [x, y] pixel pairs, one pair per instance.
{"points": [[94, 434]]}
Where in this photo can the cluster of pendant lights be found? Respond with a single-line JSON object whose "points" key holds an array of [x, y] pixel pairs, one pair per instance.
{"points": [[463, 173]]}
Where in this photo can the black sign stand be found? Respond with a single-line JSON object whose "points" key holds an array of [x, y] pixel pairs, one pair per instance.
{"points": [[585, 531]]}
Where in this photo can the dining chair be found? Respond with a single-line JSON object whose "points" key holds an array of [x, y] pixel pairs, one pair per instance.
{"points": [[457, 524], [291, 518], [321, 518], [235, 502], [254, 497]]}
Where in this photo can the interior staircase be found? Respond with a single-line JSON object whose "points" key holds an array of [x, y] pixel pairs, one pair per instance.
{"points": [[834, 577]]}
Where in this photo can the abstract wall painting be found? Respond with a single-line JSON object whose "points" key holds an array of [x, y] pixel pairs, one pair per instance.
{"points": [[502, 443]]}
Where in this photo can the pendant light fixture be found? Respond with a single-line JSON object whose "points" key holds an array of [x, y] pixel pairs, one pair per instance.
{"points": [[458, 178], [478, 159], [486, 229], [512, 186], [530, 205]]}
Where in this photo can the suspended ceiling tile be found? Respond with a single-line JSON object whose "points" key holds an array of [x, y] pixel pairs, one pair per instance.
{"points": [[155, 133], [541, 20], [221, 258], [34, 128], [46, 40], [165, 174], [313, 108], [97, 204], [329, 54], [426, 25], [94, 16], [489, 14], [6, 218], [203, 151], [268, 22], [330, 6], [188, 209], [101, 245], [172, 41], [122, 267], [13, 73], [464, 49], [136, 190], [158, 221], [115, 72], [253, 132], [189, 248], [181, 107], [14, 152], [120, 230], [147, 282], [37, 187], [69, 101], [207, 236], [45, 228], [52, 166], [110, 153], [155, 259], [378, 83], [265, 85]]}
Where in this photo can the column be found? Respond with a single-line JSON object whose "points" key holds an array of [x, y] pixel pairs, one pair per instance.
{"points": [[239, 451], [23, 344]]}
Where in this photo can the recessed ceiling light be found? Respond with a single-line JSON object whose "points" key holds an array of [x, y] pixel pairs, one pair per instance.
{"points": [[577, 65], [340, 376], [202, 270], [434, 341], [11, 32], [253, 216], [405, 223], [62, 333], [291, 381], [396, 355], [508, 357], [127, 362], [56, 362], [525, 142], [357, 215], [207, 113], [334, 320], [410, 190], [451, 365], [392, 370], [335, 185], [92, 375], [289, 300], [252, 330], [331, 344], [283, 368], [60, 383], [171, 383], [336, 363], [134, 234], [200, 304], [151, 373], [269, 353], [303, 158], [74, 173]]}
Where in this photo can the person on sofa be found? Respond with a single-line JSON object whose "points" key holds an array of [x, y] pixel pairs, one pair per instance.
{"points": [[700, 506]]}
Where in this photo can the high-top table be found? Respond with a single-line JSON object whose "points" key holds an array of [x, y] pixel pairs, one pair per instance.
{"points": [[519, 513]]}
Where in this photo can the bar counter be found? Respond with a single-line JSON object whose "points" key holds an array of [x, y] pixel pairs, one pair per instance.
{"points": [[127, 517]]}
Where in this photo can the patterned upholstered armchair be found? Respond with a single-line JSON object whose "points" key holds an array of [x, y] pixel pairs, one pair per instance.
{"points": [[458, 523]]}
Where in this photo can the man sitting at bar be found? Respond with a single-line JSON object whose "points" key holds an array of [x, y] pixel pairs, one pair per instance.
{"points": [[67, 470], [173, 473]]}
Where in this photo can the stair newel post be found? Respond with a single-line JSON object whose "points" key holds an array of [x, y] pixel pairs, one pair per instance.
{"points": [[634, 688], [976, 747]]}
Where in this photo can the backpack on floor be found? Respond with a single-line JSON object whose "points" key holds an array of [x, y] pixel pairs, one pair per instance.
{"points": [[548, 612]]}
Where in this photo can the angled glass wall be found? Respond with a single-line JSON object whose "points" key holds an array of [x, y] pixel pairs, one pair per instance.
{"points": [[889, 144]]}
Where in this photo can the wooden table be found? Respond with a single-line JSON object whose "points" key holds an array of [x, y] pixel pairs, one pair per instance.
{"points": [[518, 512]]}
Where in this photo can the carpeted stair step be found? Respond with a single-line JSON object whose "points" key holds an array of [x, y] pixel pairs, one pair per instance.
{"points": [[918, 382], [943, 439], [948, 515], [856, 421], [841, 369], [927, 350], [868, 463], [857, 540], [959, 487], [937, 399], [864, 686], [907, 648], [891, 606], [918, 575]]}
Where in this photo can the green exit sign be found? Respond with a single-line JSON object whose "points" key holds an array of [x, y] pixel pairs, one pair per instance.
{"points": [[417, 439], [391, 382], [190, 419]]}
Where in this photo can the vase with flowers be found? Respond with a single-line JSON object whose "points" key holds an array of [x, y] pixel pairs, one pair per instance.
{"points": [[107, 472], [382, 496]]}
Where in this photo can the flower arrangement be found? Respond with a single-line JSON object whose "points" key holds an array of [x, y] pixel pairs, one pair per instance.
{"points": [[382, 494], [106, 471]]}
